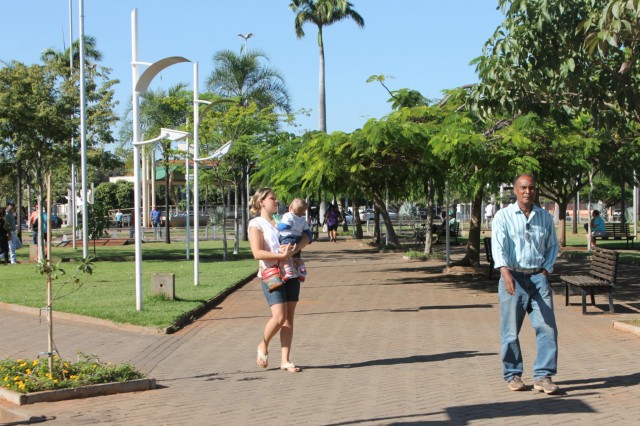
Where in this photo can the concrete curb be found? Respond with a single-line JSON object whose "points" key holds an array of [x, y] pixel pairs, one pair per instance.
{"points": [[75, 393], [190, 317], [80, 318], [626, 327]]}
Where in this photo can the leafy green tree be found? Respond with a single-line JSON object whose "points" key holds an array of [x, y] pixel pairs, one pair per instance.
{"points": [[261, 91], [168, 109], [537, 63], [34, 119], [98, 222], [105, 194], [322, 13]]}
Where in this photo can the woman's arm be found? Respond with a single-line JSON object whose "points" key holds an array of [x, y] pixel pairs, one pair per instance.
{"points": [[256, 241]]}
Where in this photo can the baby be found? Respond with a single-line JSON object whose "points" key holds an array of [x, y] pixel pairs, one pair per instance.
{"points": [[292, 225]]}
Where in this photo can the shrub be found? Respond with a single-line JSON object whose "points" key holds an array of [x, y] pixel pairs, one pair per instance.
{"points": [[33, 376]]}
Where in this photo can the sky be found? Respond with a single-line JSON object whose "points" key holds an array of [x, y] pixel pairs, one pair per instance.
{"points": [[424, 45]]}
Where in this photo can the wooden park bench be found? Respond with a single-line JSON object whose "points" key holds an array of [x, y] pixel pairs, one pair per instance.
{"points": [[419, 234], [617, 231], [602, 277], [454, 230], [487, 250]]}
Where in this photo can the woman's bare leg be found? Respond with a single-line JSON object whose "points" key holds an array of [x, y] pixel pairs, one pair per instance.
{"points": [[275, 323], [286, 337]]}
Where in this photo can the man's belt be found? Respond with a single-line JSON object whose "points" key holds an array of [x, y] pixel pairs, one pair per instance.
{"points": [[528, 271]]}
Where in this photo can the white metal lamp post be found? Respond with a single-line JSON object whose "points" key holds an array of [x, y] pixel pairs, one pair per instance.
{"points": [[245, 37], [141, 85]]}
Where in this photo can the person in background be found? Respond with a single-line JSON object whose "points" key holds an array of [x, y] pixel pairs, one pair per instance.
{"points": [[33, 224], [524, 247], [156, 214], [118, 219], [5, 235], [332, 219], [488, 214], [14, 242], [598, 229]]}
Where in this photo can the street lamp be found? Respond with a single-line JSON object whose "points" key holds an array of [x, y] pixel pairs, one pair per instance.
{"points": [[141, 85], [245, 37]]}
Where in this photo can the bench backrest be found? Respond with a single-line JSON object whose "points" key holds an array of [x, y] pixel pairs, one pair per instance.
{"points": [[487, 250], [616, 228], [604, 264]]}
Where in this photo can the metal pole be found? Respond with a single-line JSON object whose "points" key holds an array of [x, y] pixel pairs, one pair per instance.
{"points": [[187, 225], [83, 138], [196, 184], [73, 211], [635, 207], [136, 157], [447, 241], [386, 206]]}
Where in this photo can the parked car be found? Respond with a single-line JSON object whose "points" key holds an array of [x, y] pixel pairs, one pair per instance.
{"points": [[348, 218], [369, 214]]}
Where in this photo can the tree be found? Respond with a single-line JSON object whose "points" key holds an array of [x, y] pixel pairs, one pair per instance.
{"points": [[261, 90], [322, 13], [244, 77], [168, 109], [537, 63]]}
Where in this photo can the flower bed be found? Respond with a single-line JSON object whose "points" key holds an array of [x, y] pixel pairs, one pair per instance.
{"points": [[25, 381]]}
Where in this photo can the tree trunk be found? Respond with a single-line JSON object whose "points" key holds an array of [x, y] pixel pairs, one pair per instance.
{"points": [[236, 222], [428, 236], [381, 210], [167, 237], [356, 219], [472, 256], [322, 102]]}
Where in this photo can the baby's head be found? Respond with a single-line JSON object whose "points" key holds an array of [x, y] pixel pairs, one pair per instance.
{"points": [[298, 207]]}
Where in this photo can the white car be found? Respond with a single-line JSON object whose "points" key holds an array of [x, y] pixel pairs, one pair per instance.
{"points": [[369, 214]]}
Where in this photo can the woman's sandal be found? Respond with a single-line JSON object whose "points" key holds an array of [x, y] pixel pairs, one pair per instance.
{"points": [[263, 359], [290, 367]]}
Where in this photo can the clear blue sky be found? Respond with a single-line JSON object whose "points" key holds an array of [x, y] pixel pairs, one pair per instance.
{"points": [[425, 45]]}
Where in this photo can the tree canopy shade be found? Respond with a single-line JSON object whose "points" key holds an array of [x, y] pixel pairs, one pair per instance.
{"points": [[322, 13], [536, 62]]}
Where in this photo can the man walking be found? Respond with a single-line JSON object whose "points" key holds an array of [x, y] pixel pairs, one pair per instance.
{"points": [[525, 247]]}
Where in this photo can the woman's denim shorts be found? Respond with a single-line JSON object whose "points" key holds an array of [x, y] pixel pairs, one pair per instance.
{"points": [[290, 292]]}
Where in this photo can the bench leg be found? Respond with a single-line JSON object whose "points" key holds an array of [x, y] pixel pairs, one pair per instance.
{"points": [[611, 310], [566, 295], [584, 301], [593, 299]]}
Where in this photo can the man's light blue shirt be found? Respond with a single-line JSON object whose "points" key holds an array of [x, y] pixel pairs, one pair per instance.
{"points": [[510, 246]]}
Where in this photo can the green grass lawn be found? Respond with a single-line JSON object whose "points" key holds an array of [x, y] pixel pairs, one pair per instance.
{"points": [[109, 293]]}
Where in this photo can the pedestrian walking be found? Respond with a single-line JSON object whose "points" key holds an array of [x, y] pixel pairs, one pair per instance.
{"points": [[525, 247], [282, 299]]}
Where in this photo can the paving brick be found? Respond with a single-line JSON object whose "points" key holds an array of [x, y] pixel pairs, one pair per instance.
{"points": [[381, 341]]}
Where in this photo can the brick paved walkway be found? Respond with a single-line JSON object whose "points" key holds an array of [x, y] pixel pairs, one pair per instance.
{"points": [[381, 342]]}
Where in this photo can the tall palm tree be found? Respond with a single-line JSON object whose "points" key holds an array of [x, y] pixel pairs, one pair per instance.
{"points": [[322, 13], [61, 58], [245, 77]]}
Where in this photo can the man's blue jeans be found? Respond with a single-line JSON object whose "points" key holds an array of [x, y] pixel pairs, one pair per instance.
{"points": [[532, 296]]}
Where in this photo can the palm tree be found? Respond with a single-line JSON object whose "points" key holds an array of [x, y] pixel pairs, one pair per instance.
{"points": [[244, 77], [322, 13], [61, 58]]}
